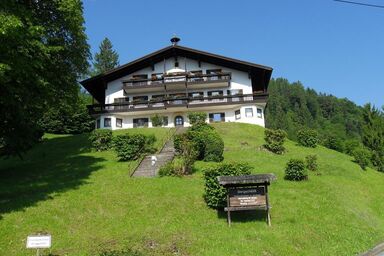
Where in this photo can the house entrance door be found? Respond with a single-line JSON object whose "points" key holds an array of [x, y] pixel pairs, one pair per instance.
{"points": [[179, 121]]}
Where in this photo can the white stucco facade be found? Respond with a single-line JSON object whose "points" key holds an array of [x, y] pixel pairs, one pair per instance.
{"points": [[240, 83]]}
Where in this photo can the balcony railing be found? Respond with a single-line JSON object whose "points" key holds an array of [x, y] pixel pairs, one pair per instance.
{"points": [[165, 103], [177, 78]]}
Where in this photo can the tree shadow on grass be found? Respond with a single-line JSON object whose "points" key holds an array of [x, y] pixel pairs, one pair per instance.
{"points": [[244, 216], [53, 166]]}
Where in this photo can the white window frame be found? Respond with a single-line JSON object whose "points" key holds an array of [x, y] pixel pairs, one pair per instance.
{"points": [[248, 113]]}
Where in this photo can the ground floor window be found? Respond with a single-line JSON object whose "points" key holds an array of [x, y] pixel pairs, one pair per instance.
{"points": [[97, 123], [217, 117], [248, 112], [140, 122], [179, 121], [237, 114], [107, 122], [259, 113], [119, 122], [165, 121]]}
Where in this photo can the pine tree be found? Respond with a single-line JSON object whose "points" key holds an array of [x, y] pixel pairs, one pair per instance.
{"points": [[106, 58]]}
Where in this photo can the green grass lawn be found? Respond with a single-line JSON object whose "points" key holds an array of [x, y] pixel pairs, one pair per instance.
{"points": [[88, 203]]}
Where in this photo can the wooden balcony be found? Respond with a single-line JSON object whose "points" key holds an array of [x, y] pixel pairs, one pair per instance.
{"points": [[175, 82], [180, 102]]}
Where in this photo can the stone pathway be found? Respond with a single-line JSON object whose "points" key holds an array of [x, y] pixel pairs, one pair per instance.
{"points": [[149, 168], [377, 251]]}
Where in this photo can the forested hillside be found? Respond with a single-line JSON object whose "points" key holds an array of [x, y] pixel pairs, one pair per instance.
{"points": [[341, 124]]}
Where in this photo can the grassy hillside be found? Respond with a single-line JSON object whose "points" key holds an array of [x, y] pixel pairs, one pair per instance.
{"points": [[88, 203]]}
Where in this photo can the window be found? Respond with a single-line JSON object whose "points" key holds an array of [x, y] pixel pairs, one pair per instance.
{"points": [[216, 95], [196, 76], [217, 117], [140, 122], [156, 78], [165, 121], [237, 114], [140, 99], [119, 122], [259, 113], [214, 74], [140, 79], [97, 123], [196, 96], [248, 112], [107, 122]]}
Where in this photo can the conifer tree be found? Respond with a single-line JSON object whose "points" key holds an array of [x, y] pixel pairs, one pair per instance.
{"points": [[106, 58]]}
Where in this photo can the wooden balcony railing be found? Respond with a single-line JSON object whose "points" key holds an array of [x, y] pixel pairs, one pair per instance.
{"points": [[177, 78], [165, 103]]}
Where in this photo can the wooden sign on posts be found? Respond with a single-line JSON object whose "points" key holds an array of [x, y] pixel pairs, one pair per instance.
{"points": [[247, 192]]}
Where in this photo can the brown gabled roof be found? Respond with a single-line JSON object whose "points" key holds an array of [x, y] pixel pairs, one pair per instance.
{"points": [[96, 85]]}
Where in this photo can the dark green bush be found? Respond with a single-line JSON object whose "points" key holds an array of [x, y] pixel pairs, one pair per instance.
{"points": [[295, 170], [274, 140], [101, 139], [362, 157], [311, 162], [215, 194], [207, 142], [351, 145], [157, 120], [131, 147], [307, 138], [196, 118], [333, 142]]}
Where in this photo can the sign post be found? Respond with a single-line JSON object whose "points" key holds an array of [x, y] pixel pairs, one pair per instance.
{"points": [[39, 242], [247, 192]]}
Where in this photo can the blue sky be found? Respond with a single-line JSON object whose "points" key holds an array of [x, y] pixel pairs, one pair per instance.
{"points": [[332, 47]]}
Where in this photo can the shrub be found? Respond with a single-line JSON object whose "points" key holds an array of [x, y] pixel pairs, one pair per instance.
{"points": [[307, 138], [351, 145], [311, 162], [295, 170], [333, 142], [157, 120], [208, 144], [275, 140], [197, 118], [214, 147], [173, 168], [362, 157], [131, 147], [101, 139], [215, 194]]}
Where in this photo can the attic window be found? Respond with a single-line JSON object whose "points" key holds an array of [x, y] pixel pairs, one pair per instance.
{"points": [[176, 64]]}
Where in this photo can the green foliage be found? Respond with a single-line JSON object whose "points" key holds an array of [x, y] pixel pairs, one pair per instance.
{"points": [[208, 144], [197, 118], [373, 135], [351, 145], [101, 139], [106, 58], [292, 107], [69, 118], [173, 168], [215, 194], [362, 157], [274, 140], [295, 170], [333, 142], [131, 147], [307, 138], [311, 162], [44, 52], [157, 120]]}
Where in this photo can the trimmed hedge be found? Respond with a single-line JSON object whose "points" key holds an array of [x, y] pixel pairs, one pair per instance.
{"points": [[307, 138], [295, 170], [215, 194], [101, 139], [274, 140], [131, 147], [197, 118]]}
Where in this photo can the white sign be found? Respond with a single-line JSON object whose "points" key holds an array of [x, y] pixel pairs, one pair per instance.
{"points": [[39, 242]]}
